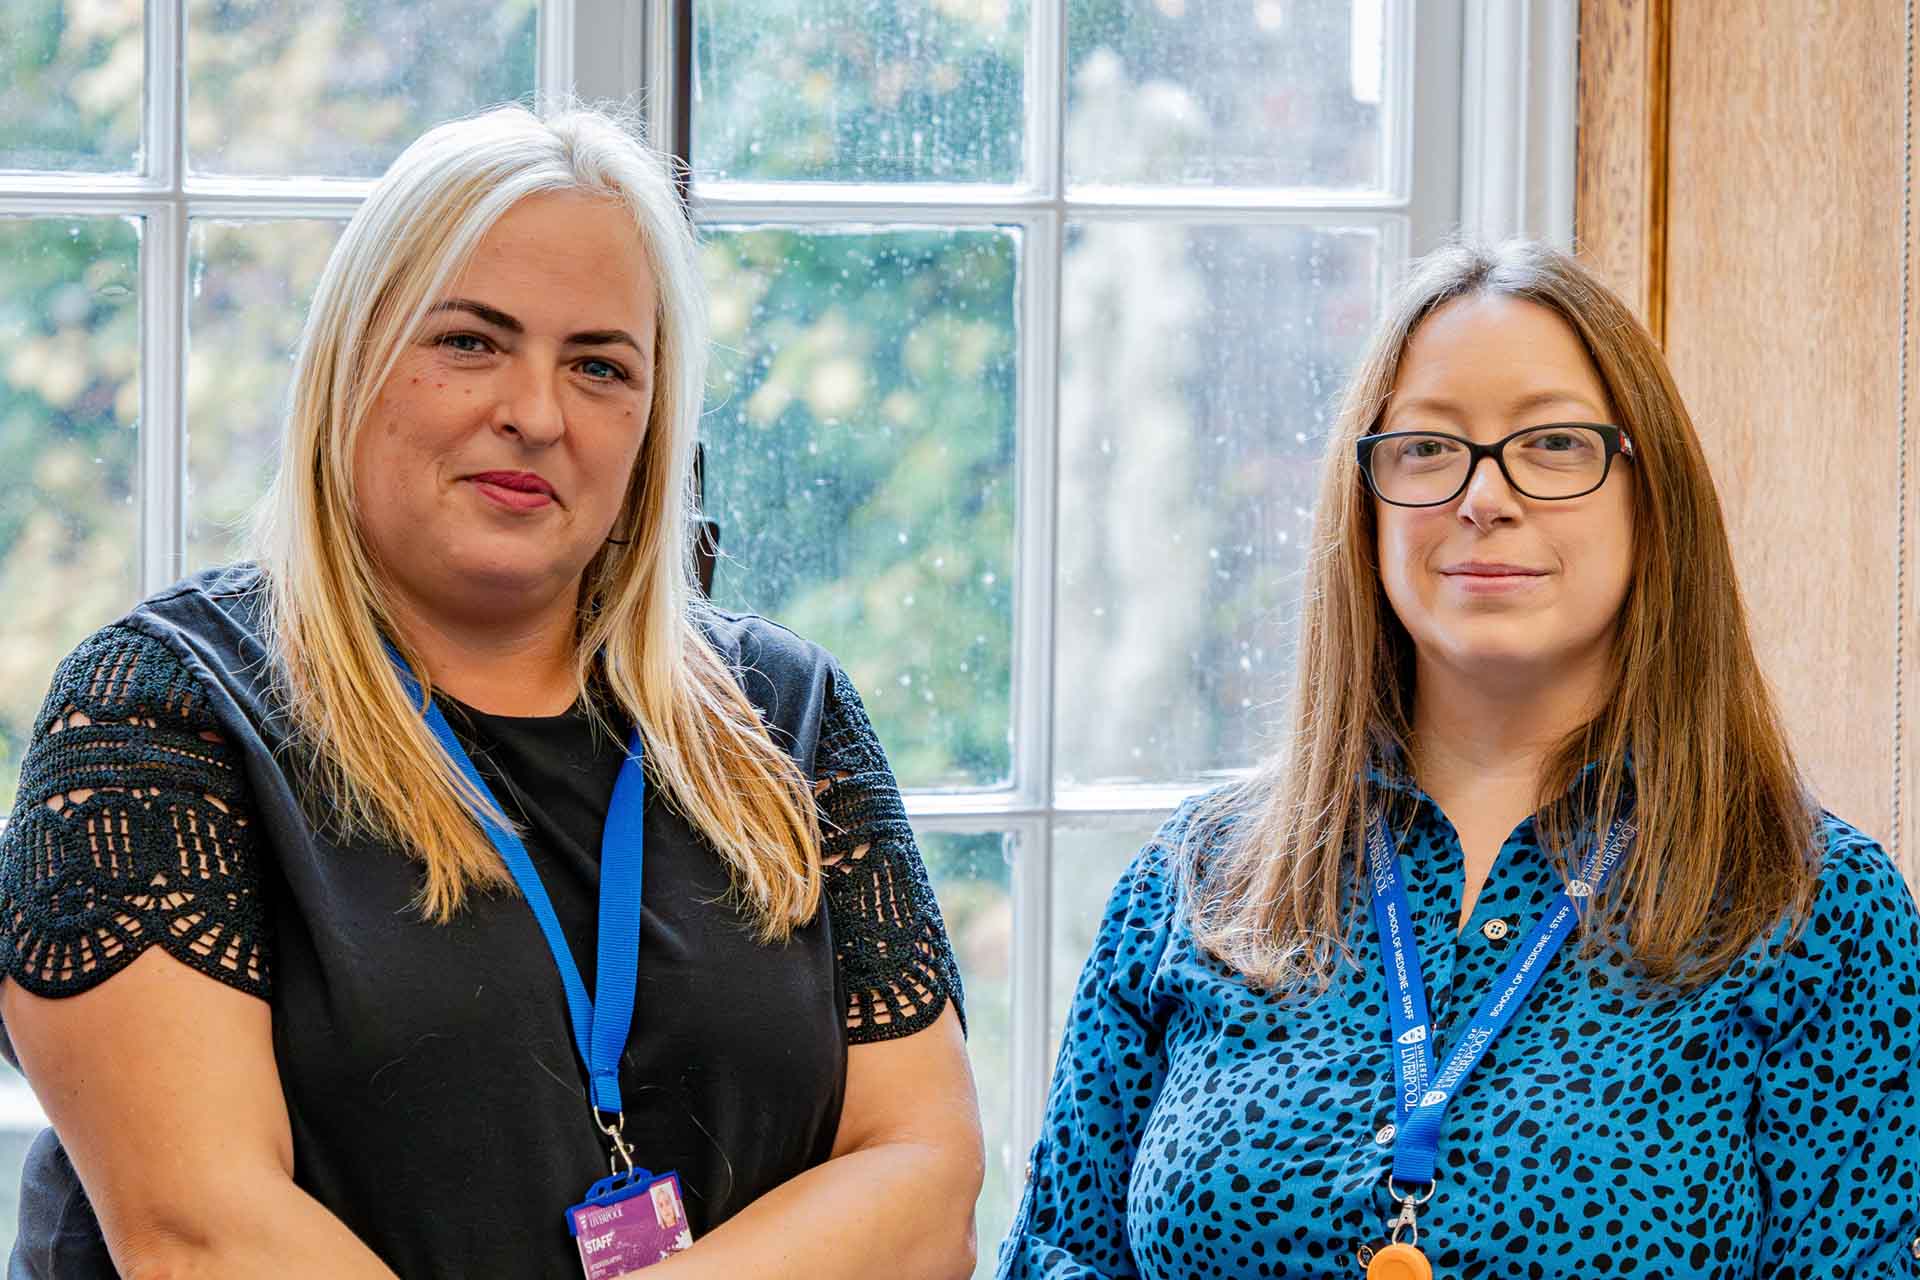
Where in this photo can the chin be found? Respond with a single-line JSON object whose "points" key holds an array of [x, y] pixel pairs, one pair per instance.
{"points": [[1527, 656], [496, 574], [1492, 649]]}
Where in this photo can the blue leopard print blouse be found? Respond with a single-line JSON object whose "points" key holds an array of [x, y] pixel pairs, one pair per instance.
{"points": [[1766, 1124]]}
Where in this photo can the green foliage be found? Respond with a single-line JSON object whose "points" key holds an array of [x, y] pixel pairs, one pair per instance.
{"points": [[336, 89], [70, 73], [860, 451], [861, 90], [69, 397]]}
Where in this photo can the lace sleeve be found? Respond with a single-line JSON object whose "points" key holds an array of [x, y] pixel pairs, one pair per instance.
{"points": [[889, 940], [132, 827]]}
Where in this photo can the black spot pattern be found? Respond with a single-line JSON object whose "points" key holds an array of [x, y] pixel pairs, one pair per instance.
{"points": [[1765, 1124]]}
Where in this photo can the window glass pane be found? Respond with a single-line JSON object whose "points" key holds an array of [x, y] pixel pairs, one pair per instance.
{"points": [[971, 878], [1262, 93], [251, 285], [860, 462], [71, 76], [859, 90], [1198, 369], [69, 402], [1088, 857], [338, 87]]}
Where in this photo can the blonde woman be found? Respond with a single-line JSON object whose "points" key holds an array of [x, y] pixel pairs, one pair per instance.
{"points": [[1529, 956], [369, 905]]}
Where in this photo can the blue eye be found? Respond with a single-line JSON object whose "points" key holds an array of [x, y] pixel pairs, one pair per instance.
{"points": [[459, 341], [603, 371]]}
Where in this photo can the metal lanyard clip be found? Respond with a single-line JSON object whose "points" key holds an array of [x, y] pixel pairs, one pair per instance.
{"points": [[622, 1152]]}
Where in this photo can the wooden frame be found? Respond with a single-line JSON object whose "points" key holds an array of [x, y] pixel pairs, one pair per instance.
{"points": [[1620, 193]]}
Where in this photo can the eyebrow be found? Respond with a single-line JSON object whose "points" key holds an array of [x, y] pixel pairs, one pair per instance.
{"points": [[1525, 404], [501, 320]]}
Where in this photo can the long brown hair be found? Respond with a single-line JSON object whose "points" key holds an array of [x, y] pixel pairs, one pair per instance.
{"points": [[638, 628], [1690, 731]]}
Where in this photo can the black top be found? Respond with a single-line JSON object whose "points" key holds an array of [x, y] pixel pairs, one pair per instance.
{"points": [[437, 1103]]}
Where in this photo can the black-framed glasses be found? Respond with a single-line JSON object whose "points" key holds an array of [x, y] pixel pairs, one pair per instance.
{"points": [[1550, 462]]}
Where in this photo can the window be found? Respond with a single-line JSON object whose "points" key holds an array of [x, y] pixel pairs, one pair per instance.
{"points": [[1027, 316]]}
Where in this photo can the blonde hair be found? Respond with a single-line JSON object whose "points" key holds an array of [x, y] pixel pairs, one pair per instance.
{"points": [[1726, 831], [638, 631]]}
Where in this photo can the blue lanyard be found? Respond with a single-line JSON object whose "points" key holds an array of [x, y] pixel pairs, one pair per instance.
{"points": [[599, 1026], [1421, 1094]]}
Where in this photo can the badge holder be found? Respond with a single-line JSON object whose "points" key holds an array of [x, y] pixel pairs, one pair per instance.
{"points": [[1396, 1260], [630, 1219]]}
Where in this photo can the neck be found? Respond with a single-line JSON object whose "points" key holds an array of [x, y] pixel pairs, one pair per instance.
{"points": [[518, 665], [1492, 736]]}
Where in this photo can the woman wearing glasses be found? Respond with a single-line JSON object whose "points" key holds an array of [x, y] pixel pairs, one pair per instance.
{"points": [[1529, 956]]}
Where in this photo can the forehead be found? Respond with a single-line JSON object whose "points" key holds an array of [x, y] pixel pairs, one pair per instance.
{"points": [[568, 259], [1495, 346]]}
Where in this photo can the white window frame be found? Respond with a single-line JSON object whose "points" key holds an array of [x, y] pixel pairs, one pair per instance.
{"points": [[1484, 143]]}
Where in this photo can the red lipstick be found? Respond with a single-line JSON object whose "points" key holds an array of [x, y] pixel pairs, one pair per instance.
{"points": [[515, 490]]}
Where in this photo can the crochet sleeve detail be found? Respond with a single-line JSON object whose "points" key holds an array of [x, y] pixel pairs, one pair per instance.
{"points": [[889, 940], [133, 827]]}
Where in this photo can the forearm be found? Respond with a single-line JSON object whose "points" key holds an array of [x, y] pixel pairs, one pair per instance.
{"points": [[910, 1204], [273, 1229]]}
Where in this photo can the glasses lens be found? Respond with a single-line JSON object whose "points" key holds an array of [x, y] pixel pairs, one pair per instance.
{"points": [[1417, 469], [1557, 462]]}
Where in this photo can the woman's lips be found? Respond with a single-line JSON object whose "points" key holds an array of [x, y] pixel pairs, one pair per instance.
{"points": [[514, 490], [1492, 579]]}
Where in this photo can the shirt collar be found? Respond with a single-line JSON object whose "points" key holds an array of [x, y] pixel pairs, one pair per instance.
{"points": [[1389, 771]]}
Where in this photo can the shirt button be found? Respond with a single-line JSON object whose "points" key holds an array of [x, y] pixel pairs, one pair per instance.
{"points": [[1495, 930], [1385, 1136]]}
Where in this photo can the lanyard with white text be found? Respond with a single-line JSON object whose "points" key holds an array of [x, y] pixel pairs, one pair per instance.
{"points": [[600, 1025], [1422, 1094]]}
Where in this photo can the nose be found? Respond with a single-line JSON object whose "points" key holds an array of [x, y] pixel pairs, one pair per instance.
{"points": [[1489, 500], [529, 405]]}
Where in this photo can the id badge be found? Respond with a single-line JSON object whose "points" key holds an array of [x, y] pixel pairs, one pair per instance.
{"points": [[629, 1221]]}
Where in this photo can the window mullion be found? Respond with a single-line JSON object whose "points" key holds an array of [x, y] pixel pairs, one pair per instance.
{"points": [[1036, 459], [163, 430], [1046, 97], [609, 49], [1037, 547], [163, 144], [163, 302], [553, 74], [1428, 75], [1032, 1001], [1036, 463], [659, 92]]}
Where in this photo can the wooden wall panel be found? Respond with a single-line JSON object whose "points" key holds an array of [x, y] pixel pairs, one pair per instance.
{"points": [[1782, 305], [1621, 178]]}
